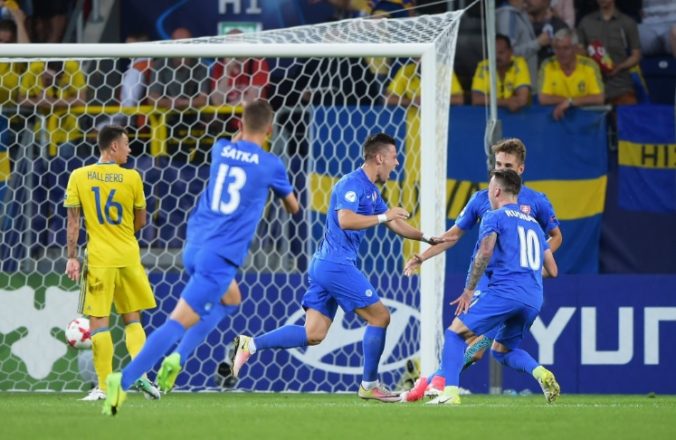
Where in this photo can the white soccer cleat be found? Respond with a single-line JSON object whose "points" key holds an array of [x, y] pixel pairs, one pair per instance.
{"points": [[240, 354], [94, 394], [450, 396]]}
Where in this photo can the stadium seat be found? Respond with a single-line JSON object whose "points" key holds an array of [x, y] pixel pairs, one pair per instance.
{"points": [[660, 76]]}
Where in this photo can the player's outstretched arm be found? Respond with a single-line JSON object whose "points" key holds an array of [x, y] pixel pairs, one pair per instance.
{"points": [[450, 238], [350, 220], [291, 204], [404, 229], [72, 233], [550, 264]]}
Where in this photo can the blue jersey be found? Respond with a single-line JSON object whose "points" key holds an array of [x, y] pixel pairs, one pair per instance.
{"points": [[518, 255], [530, 202], [357, 193], [229, 209]]}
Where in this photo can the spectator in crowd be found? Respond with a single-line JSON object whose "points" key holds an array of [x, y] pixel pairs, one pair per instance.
{"points": [[568, 79], [179, 83], [50, 18], [53, 86], [631, 8], [513, 78], [544, 21], [565, 10], [611, 39], [404, 89], [512, 20], [657, 32], [136, 77], [237, 81], [12, 31], [392, 8]]}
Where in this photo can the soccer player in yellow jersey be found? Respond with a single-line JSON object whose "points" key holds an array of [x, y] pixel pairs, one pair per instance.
{"points": [[513, 78], [114, 207], [567, 79], [404, 89]]}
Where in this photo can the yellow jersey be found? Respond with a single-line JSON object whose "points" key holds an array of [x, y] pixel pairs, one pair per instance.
{"points": [[108, 195], [517, 76], [70, 81], [585, 80], [406, 83]]}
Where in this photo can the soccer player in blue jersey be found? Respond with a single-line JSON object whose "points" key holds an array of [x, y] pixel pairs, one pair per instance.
{"points": [[220, 230], [515, 245], [334, 279], [508, 154]]}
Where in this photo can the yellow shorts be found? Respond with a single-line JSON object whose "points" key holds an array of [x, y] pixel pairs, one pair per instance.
{"points": [[126, 287]]}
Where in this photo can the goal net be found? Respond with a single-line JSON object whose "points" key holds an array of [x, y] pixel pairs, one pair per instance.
{"points": [[331, 85]]}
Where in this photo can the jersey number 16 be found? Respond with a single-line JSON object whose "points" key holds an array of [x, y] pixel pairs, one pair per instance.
{"points": [[105, 213]]}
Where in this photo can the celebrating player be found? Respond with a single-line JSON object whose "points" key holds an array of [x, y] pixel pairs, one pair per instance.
{"points": [[220, 230], [515, 244], [508, 154], [114, 207], [335, 280]]}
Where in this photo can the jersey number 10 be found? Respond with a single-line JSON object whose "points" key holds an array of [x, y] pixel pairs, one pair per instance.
{"points": [[232, 188], [108, 208], [529, 248]]}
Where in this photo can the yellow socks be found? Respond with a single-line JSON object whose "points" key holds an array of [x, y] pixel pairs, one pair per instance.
{"points": [[102, 350], [134, 338]]}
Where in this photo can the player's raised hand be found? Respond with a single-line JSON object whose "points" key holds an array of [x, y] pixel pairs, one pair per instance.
{"points": [[397, 214], [73, 269], [412, 265], [463, 302]]}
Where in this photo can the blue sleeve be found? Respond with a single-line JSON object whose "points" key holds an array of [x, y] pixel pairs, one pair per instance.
{"points": [[469, 214], [546, 216], [489, 224], [347, 194], [216, 149], [280, 182]]}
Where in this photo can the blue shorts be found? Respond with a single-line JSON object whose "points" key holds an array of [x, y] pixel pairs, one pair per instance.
{"points": [[511, 318], [333, 285], [481, 288], [210, 277]]}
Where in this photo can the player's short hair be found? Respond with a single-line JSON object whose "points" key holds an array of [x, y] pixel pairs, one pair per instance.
{"points": [[504, 38], [375, 143], [511, 146], [108, 134], [257, 115], [508, 179]]}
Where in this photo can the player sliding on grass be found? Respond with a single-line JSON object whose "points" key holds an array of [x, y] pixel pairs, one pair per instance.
{"points": [[335, 280], [508, 154], [515, 245], [220, 230]]}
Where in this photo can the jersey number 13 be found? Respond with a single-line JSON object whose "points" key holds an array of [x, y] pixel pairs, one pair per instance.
{"points": [[233, 188]]}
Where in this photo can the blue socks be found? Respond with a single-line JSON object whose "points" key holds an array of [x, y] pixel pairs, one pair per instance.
{"points": [[157, 345], [289, 336], [199, 332], [452, 359], [517, 359], [373, 346]]}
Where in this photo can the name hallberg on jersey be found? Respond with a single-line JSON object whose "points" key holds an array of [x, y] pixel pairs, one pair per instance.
{"points": [[107, 177], [521, 215], [243, 156]]}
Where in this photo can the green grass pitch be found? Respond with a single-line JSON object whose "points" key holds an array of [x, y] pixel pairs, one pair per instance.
{"points": [[342, 416]]}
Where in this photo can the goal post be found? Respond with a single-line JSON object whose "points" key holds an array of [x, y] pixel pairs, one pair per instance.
{"points": [[273, 276]]}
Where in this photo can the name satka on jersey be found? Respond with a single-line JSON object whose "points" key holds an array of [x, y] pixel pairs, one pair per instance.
{"points": [[241, 176], [517, 256]]}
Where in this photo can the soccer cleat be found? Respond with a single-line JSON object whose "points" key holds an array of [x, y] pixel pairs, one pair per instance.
{"points": [[240, 354], [550, 387], [380, 393], [436, 387], [450, 396], [166, 377], [146, 387], [116, 395], [94, 394], [417, 392]]}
